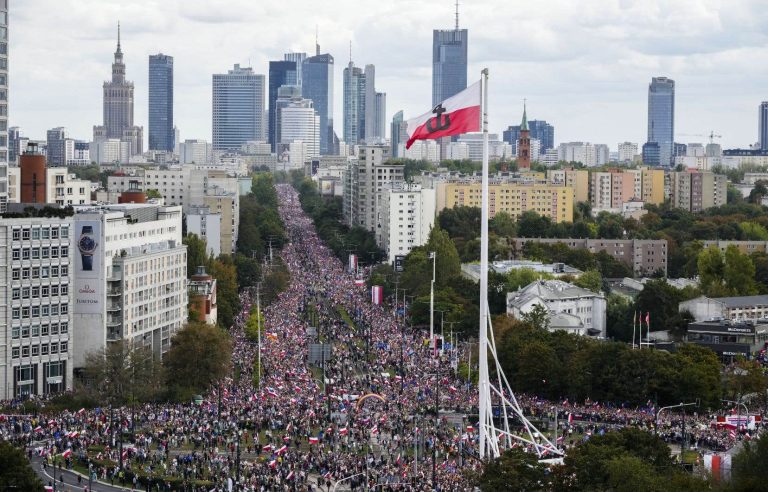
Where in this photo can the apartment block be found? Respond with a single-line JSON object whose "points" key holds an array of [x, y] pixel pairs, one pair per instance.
{"points": [[514, 198], [130, 277], [407, 214], [644, 256], [578, 179], [695, 190], [364, 180]]}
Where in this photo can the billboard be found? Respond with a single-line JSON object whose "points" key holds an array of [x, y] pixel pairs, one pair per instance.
{"points": [[399, 263], [352, 263], [88, 266]]}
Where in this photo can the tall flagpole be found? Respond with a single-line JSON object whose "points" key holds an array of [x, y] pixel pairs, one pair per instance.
{"points": [[484, 403], [633, 329]]}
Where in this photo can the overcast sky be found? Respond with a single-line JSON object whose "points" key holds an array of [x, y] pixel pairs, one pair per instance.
{"points": [[583, 65]]}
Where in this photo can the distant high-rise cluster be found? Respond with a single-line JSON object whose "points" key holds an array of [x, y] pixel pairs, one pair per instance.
{"points": [[364, 108]]}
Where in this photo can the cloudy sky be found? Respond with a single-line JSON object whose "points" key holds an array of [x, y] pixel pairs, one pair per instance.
{"points": [[583, 65]]}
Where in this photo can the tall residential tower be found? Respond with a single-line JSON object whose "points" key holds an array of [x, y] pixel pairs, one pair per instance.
{"points": [[3, 105]]}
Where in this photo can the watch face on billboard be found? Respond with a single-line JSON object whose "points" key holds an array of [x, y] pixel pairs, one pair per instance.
{"points": [[88, 281], [399, 263]]}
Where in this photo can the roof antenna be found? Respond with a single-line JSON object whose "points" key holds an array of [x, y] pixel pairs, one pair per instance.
{"points": [[118, 36], [457, 15], [317, 44], [350, 51]]}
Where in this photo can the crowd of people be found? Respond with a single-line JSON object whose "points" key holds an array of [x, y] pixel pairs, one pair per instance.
{"points": [[365, 411]]}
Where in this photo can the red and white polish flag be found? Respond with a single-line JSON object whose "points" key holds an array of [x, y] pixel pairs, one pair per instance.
{"points": [[456, 115]]}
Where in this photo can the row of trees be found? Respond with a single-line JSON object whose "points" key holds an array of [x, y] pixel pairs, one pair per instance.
{"points": [[326, 213]]}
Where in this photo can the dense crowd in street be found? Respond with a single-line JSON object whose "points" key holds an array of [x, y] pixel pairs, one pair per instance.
{"points": [[362, 414]]}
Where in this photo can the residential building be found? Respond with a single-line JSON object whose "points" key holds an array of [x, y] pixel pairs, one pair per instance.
{"points": [[398, 134], [602, 154], [118, 108], [406, 215], [576, 179], [695, 190], [281, 73], [227, 205], [705, 308], [194, 152], [457, 151], [317, 85], [161, 129], [33, 182], [202, 297], [206, 226], [570, 308], [496, 148], [611, 189], [37, 292], [109, 151], [661, 118], [583, 152], [238, 108], [514, 198], [746, 247], [4, 137], [429, 150], [627, 152], [365, 178], [130, 277], [60, 148], [762, 126], [449, 62], [644, 256]]}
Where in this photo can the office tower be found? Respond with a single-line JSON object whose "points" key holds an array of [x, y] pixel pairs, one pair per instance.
{"points": [[651, 154], [161, 129], [398, 134], [38, 293], [354, 104], [763, 125], [539, 130], [299, 122], [317, 85], [3, 105], [14, 144], [280, 73], [449, 62], [524, 145], [661, 117], [238, 108], [56, 153], [298, 59], [379, 116], [285, 95]]}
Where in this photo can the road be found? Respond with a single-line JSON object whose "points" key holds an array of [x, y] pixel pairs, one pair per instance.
{"points": [[70, 479]]}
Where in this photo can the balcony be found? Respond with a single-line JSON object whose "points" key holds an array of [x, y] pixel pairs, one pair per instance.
{"points": [[114, 321], [114, 335], [114, 307], [114, 292]]}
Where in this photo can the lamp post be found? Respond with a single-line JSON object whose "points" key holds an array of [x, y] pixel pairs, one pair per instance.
{"points": [[432, 256]]}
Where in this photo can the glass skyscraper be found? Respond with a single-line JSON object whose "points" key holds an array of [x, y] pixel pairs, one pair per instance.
{"points": [[449, 63], [238, 108], [280, 73], [161, 135], [762, 127], [354, 104], [661, 117], [317, 85]]}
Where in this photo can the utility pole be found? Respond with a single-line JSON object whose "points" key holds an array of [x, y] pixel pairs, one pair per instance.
{"points": [[258, 325], [432, 256]]}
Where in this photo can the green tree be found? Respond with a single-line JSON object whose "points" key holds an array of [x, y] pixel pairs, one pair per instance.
{"points": [[17, 473], [754, 231], [228, 299], [123, 373], [153, 193], [447, 264], [591, 280], [538, 317], [515, 470], [748, 471], [531, 224], [661, 300], [739, 272], [199, 356], [711, 271], [502, 224], [197, 253]]}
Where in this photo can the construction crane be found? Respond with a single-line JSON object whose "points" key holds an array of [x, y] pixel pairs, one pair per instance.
{"points": [[712, 135]]}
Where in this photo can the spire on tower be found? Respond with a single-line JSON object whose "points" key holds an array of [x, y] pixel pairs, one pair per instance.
{"points": [[457, 15], [350, 51], [317, 43], [524, 124], [118, 37]]}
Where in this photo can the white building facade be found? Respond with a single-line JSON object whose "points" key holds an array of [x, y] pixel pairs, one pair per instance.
{"points": [[406, 215], [36, 265], [130, 277]]}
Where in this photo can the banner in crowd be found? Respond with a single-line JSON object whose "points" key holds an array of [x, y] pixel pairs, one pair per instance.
{"points": [[377, 294]]}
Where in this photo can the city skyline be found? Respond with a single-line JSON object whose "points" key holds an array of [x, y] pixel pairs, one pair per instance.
{"points": [[588, 80]]}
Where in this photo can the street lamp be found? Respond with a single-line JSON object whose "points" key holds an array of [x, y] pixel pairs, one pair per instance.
{"points": [[432, 256]]}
